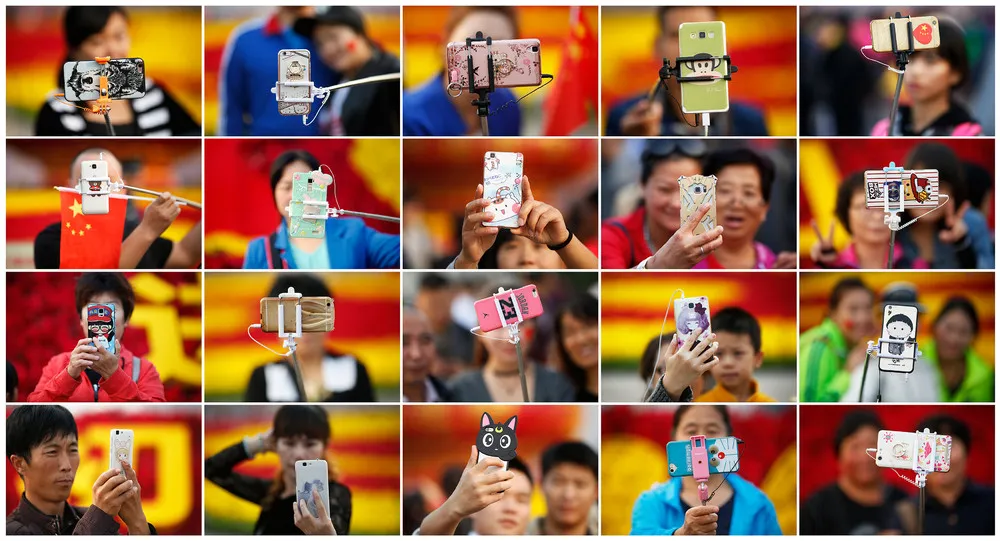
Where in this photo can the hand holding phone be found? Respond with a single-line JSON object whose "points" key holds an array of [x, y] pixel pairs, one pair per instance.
{"points": [[121, 448], [503, 309], [692, 314], [312, 475], [502, 177], [698, 190], [101, 326], [497, 440]]}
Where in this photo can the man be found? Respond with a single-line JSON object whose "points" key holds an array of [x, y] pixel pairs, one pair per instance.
{"points": [[142, 246], [435, 297], [419, 354], [569, 484], [42, 447], [859, 502], [639, 116]]}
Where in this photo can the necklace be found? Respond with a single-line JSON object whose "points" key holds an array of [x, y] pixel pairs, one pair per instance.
{"points": [[649, 240]]}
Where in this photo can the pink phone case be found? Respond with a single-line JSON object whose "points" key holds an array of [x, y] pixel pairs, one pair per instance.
{"points": [[526, 299], [516, 62]]}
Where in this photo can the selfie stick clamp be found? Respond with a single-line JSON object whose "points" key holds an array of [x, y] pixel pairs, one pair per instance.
{"points": [[326, 91], [482, 103], [667, 71], [292, 335], [699, 467], [514, 334], [874, 346], [902, 59]]}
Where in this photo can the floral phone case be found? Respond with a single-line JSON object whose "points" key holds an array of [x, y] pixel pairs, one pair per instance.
{"points": [[502, 174], [695, 191], [307, 210], [912, 450], [516, 62], [126, 79]]}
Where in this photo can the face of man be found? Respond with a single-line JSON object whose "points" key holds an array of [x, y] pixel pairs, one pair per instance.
{"points": [[511, 514], [570, 492], [49, 476], [418, 347], [853, 460]]}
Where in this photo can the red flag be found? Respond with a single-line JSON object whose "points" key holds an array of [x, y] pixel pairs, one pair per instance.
{"points": [[91, 241], [575, 89]]}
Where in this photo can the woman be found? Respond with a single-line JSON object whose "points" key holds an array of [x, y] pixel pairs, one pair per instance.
{"points": [[577, 339], [964, 375], [326, 376], [299, 433], [674, 507], [932, 78], [95, 31], [346, 244]]}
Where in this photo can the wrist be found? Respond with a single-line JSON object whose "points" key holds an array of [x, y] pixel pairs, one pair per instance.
{"points": [[563, 244], [146, 232], [463, 261], [138, 526], [673, 388], [74, 373]]}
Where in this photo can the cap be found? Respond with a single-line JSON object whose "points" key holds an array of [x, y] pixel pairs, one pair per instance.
{"points": [[333, 15], [901, 293]]}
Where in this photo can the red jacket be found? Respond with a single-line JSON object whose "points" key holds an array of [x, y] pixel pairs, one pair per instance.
{"points": [[623, 243], [57, 385]]}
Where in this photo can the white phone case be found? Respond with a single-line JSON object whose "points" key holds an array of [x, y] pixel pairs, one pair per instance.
{"points": [[502, 173], [311, 474], [95, 187], [294, 66], [483, 457], [899, 322], [909, 450], [122, 440], [690, 314]]}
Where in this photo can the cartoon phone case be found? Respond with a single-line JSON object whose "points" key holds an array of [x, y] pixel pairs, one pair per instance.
{"points": [[502, 174], [704, 96], [497, 440], [919, 188], [126, 79], [310, 474], [294, 66], [899, 322], [95, 187], [695, 191], [525, 301], [101, 325], [121, 447], [516, 62], [723, 456], [307, 210], [691, 314], [912, 450], [926, 34]]}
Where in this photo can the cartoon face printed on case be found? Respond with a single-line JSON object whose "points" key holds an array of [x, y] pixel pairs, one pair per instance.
{"points": [[723, 456], [101, 325], [95, 187], [899, 323], [695, 191], [692, 314], [497, 439], [121, 447], [907, 188], [502, 176]]}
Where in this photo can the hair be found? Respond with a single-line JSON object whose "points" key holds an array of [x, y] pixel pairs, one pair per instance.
{"points": [[91, 284], [900, 318], [647, 363], [963, 305], [855, 182], [851, 422], [570, 452], [723, 158], [31, 426], [719, 408], [298, 420], [949, 426], [952, 49], [737, 321], [584, 308], [661, 16], [844, 286], [11, 378], [434, 282], [941, 157], [515, 464], [285, 159], [490, 259], [651, 160], [81, 22], [458, 13], [308, 285]]}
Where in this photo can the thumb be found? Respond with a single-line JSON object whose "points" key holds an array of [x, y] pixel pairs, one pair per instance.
{"points": [[479, 191], [473, 455], [962, 210]]}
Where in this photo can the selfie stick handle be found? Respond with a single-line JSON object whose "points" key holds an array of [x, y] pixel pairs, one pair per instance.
{"points": [[291, 336], [514, 332], [699, 466], [482, 103], [902, 59], [864, 375], [339, 212]]}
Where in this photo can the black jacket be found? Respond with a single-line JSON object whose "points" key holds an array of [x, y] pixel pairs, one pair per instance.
{"points": [[361, 392], [26, 519], [373, 109]]}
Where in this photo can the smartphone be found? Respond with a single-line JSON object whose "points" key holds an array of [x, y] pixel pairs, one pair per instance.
{"points": [[705, 43], [516, 62], [307, 210], [121, 447], [309, 475], [926, 34], [317, 314], [899, 322], [502, 175], [723, 456], [496, 310], [294, 81], [919, 188], [126, 79], [691, 314], [695, 191], [101, 325], [913, 450], [95, 187]]}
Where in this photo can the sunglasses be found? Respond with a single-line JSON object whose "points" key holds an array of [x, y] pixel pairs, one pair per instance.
{"points": [[664, 148]]}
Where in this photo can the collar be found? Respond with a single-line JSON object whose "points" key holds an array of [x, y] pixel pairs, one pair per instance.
{"points": [[272, 27], [33, 515], [430, 393], [833, 335], [721, 394], [764, 259], [942, 125], [537, 527], [849, 256]]}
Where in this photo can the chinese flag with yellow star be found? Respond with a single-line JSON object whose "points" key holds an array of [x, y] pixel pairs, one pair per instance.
{"points": [[90, 241], [574, 91]]}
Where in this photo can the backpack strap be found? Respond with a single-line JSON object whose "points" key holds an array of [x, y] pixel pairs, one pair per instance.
{"points": [[136, 366], [631, 249], [273, 254]]}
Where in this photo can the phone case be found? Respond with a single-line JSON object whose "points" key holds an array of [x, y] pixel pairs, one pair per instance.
{"points": [[691, 314], [723, 456], [126, 79], [909, 450], [919, 188], [294, 66], [525, 300], [101, 325], [309, 198], [310, 474], [497, 440], [502, 174], [696, 190], [95, 187], [899, 322], [516, 62], [926, 34], [121, 447], [317, 314], [704, 96]]}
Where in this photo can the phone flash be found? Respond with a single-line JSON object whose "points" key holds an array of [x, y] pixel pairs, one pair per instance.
{"points": [[693, 35], [711, 35]]}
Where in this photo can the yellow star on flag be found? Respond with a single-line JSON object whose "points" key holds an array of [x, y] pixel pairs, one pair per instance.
{"points": [[88, 227], [76, 207]]}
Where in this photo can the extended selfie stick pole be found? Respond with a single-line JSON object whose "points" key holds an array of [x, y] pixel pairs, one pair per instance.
{"points": [[515, 336], [902, 59], [874, 348], [482, 103], [894, 188], [699, 467], [291, 336], [668, 71]]}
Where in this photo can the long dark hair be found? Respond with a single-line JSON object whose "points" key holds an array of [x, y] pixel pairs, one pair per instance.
{"points": [[299, 420], [81, 22], [584, 308]]}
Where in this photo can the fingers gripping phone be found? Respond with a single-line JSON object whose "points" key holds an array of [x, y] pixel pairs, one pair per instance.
{"points": [[691, 314], [95, 187], [913, 450], [294, 81], [121, 447], [309, 475], [502, 309], [502, 176], [516, 62], [723, 456], [695, 191], [899, 323], [317, 314], [101, 326], [926, 34], [705, 44], [126, 79], [307, 209]]}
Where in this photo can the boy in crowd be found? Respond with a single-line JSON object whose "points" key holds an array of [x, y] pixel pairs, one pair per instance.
{"points": [[738, 335], [569, 484]]}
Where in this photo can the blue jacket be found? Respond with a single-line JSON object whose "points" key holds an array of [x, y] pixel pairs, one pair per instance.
{"points": [[746, 120], [659, 511], [429, 111], [351, 244]]}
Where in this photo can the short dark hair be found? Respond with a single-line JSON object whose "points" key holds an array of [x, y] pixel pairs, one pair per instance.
{"points": [[720, 159], [81, 22], [651, 160], [647, 363], [31, 426], [490, 259], [285, 159], [569, 452], [661, 16], [308, 285], [434, 282], [584, 308], [736, 320], [851, 422], [11, 377], [91, 284], [963, 305], [846, 285], [718, 407], [949, 426], [515, 464], [855, 182], [941, 157], [952, 49], [302, 420]]}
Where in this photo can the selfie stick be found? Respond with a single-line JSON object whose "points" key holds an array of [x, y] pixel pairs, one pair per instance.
{"points": [[902, 59], [513, 333], [482, 103], [326, 91], [668, 71], [291, 336], [699, 467], [874, 347], [923, 464]]}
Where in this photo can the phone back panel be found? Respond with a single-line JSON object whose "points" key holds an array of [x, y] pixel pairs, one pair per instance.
{"points": [[899, 322], [526, 299], [310, 474], [294, 66], [95, 187], [704, 96], [304, 192], [516, 62], [483, 457], [317, 314], [723, 456], [690, 314], [101, 325], [904, 450], [502, 176], [919, 188], [695, 191], [926, 34], [122, 443], [126, 79]]}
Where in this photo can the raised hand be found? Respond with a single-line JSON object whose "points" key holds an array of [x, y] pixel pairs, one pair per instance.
{"points": [[823, 250], [476, 238], [685, 249]]}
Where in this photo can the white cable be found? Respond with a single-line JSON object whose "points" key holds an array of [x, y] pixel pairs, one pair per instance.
{"points": [[329, 90], [334, 178], [947, 198], [870, 59], [659, 343], [901, 476], [475, 331], [257, 326]]}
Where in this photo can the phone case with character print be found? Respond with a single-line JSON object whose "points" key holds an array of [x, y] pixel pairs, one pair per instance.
{"points": [[705, 44], [899, 322], [502, 174], [121, 447], [695, 191], [307, 210]]}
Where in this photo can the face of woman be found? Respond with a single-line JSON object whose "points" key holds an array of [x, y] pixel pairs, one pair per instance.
{"points": [[662, 192], [953, 334], [490, 23], [502, 351], [580, 340], [283, 190], [339, 47], [113, 40], [854, 315], [929, 77], [292, 449], [867, 225], [522, 253]]}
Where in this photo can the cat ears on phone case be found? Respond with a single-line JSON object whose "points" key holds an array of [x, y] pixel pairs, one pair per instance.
{"points": [[487, 421]]}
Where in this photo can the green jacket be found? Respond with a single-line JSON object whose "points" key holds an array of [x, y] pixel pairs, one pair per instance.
{"points": [[978, 385], [822, 355]]}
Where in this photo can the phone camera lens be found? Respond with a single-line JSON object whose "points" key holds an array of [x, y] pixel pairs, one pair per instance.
{"points": [[534, 49], [701, 35], [93, 166], [690, 305]]}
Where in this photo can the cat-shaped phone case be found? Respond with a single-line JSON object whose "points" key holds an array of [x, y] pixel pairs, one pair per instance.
{"points": [[121, 447], [502, 175], [497, 440], [695, 191], [307, 210]]}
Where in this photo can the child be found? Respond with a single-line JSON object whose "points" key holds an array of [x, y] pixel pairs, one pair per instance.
{"points": [[738, 334]]}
